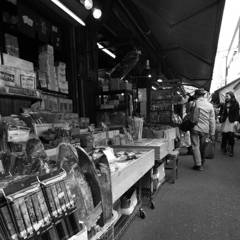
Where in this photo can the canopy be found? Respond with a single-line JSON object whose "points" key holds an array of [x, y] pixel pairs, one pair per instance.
{"points": [[186, 33]]}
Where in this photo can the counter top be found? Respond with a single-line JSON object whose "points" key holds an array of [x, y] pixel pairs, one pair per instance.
{"points": [[124, 178]]}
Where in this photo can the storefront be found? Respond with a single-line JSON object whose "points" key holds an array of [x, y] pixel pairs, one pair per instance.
{"points": [[89, 111]]}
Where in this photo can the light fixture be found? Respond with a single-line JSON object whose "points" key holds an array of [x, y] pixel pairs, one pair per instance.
{"points": [[159, 80], [149, 75], [101, 47], [148, 64], [88, 4], [69, 12], [97, 13], [154, 88]]}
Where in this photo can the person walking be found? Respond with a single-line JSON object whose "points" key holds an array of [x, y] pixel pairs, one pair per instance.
{"points": [[204, 117], [229, 115]]}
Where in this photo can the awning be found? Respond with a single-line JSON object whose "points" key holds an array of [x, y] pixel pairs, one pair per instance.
{"points": [[187, 33]]}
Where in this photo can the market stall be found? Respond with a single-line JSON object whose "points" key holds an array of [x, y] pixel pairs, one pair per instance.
{"points": [[81, 137]]}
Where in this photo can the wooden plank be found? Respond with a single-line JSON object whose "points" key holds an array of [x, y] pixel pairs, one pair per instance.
{"points": [[125, 178]]}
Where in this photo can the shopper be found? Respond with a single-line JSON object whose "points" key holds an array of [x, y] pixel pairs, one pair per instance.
{"points": [[190, 104], [229, 115], [204, 117]]}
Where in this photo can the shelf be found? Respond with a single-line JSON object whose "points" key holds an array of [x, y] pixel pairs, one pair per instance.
{"points": [[53, 93], [18, 96], [124, 221], [115, 92], [161, 110], [119, 109]]}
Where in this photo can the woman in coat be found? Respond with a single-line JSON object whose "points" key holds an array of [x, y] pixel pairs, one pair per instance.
{"points": [[229, 115]]}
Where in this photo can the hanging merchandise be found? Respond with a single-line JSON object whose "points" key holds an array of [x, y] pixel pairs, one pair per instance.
{"points": [[24, 200]]}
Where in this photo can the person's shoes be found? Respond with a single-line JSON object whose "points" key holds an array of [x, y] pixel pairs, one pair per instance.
{"points": [[231, 154], [198, 168]]}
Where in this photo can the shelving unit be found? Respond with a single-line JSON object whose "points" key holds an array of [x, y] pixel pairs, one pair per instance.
{"points": [[125, 105], [162, 105]]}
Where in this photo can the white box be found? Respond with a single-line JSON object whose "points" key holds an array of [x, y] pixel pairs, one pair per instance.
{"points": [[16, 62], [28, 80], [10, 75]]}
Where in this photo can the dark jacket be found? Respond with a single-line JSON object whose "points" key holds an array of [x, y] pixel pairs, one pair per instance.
{"points": [[233, 114]]}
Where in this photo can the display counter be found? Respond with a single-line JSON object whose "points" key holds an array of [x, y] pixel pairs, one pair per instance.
{"points": [[132, 171], [161, 146]]}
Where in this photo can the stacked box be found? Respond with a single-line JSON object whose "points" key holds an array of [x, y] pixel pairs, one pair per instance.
{"points": [[49, 103], [65, 105], [28, 79], [11, 45], [16, 62], [46, 65], [61, 77], [9, 75], [42, 79]]}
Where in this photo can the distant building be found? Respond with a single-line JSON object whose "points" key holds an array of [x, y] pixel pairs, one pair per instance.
{"points": [[234, 86]]}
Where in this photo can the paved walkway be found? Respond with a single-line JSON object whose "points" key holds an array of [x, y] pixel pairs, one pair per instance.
{"points": [[199, 206]]}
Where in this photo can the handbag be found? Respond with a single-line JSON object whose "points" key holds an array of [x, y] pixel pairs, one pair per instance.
{"points": [[187, 124], [191, 119], [209, 149]]}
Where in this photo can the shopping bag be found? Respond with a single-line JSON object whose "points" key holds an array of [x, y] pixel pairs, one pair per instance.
{"points": [[209, 149]]}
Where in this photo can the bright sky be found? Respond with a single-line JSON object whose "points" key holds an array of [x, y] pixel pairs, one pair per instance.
{"points": [[230, 18]]}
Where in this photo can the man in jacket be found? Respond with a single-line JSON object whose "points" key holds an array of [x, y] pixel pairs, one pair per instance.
{"points": [[204, 117]]}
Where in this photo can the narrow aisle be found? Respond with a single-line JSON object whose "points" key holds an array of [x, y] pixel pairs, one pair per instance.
{"points": [[199, 206]]}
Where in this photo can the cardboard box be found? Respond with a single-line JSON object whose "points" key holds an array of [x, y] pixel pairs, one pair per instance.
{"points": [[63, 87], [28, 79], [42, 79], [49, 103], [65, 105], [47, 49], [11, 45], [16, 62], [10, 76]]}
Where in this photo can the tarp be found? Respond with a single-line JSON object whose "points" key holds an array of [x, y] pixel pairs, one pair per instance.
{"points": [[187, 32]]}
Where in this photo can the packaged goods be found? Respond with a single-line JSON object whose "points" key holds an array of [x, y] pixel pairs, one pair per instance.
{"points": [[9, 223], [11, 45], [16, 62], [49, 103], [46, 65], [28, 80], [9, 75], [37, 156], [25, 200], [43, 29], [56, 37], [26, 21], [19, 219], [65, 105], [42, 79]]}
